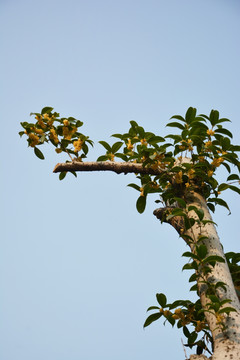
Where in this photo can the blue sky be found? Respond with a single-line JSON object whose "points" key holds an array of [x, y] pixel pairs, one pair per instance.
{"points": [[79, 265]]}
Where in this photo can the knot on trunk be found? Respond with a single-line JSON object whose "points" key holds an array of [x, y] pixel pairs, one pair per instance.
{"points": [[177, 221]]}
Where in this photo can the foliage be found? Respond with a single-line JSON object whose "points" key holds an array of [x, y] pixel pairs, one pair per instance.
{"points": [[62, 133], [182, 163]]}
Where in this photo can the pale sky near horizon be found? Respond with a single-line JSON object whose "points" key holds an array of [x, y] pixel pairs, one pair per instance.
{"points": [[78, 265]]}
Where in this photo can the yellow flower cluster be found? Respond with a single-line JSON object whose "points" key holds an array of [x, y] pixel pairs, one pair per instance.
{"points": [[34, 139], [210, 173], [40, 121], [68, 133], [178, 314], [154, 185], [219, 318], [217, 161], [65, 122], [53, 136], [210, 132], [199, 326], [186, 145], [178, 177], [158, 161], [144, 142], [112, 157], [201, 158], [208, 144], [129, 145], [78, 145], [38, 131], [191, 173], [142, 191]]}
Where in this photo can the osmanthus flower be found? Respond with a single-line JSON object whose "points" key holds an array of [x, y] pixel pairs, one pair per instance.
{"points": [[67, 132], [178, 177], [41, 123], [210, 173], [210, 132], [200, 325], [129, 145], [78, 145], [38, 131], [217, 161], [208, 144], [34, 139], [53, 136]]}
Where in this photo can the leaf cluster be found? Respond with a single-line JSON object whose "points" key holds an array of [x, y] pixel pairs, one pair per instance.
{"points": [[62, 133]]}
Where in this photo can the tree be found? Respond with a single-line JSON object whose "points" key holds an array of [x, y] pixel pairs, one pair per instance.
{"points": [[182, 172]]}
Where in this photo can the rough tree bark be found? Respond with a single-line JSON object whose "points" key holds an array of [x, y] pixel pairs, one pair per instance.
{"points": [[227, 342]]}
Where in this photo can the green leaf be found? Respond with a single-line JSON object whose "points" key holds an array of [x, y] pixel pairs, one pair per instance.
{"points": [[180, 201], [106, 145], [119, 136], [46, 110], [191, 255], [199, 212], [141, 204], [223, 187], [188, 223], [192, 337], [161, 299], [62, 175], [188, 266], [214, 117], [193, 288], [38, 153], [193, 277], [211, 207], [133, 123], [186, 331], [223, 131], [153, 308], [171, 320], [226, 144], [227, 310], [190, 114], [134, 186], [233, 177], [102, 158], [234, 188], [219, 202], [121, 156], [213, 258], [222, 120], [152, 318], [178, 117], [155, 139], [116, 147], [201, 251], [214, 298], [74, 173], [176, 124]]}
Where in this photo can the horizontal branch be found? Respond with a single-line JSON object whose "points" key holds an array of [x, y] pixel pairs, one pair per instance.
{"points": [[117, 167]]}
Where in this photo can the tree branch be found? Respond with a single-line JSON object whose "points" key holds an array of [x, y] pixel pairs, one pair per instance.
{"points": [[117, 167]]}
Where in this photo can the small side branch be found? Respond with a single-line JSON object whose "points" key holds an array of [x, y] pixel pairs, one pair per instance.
{"points": [[117, 167], [177, 221]]}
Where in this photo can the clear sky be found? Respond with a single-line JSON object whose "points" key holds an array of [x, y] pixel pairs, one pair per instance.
{"points": [[78, 265]]}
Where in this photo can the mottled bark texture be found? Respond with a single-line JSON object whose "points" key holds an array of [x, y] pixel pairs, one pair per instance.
{"points": [[227, 342], [117, 167]]}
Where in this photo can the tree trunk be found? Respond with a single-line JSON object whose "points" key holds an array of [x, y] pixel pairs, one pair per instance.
{"points": [[226, 342]]}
